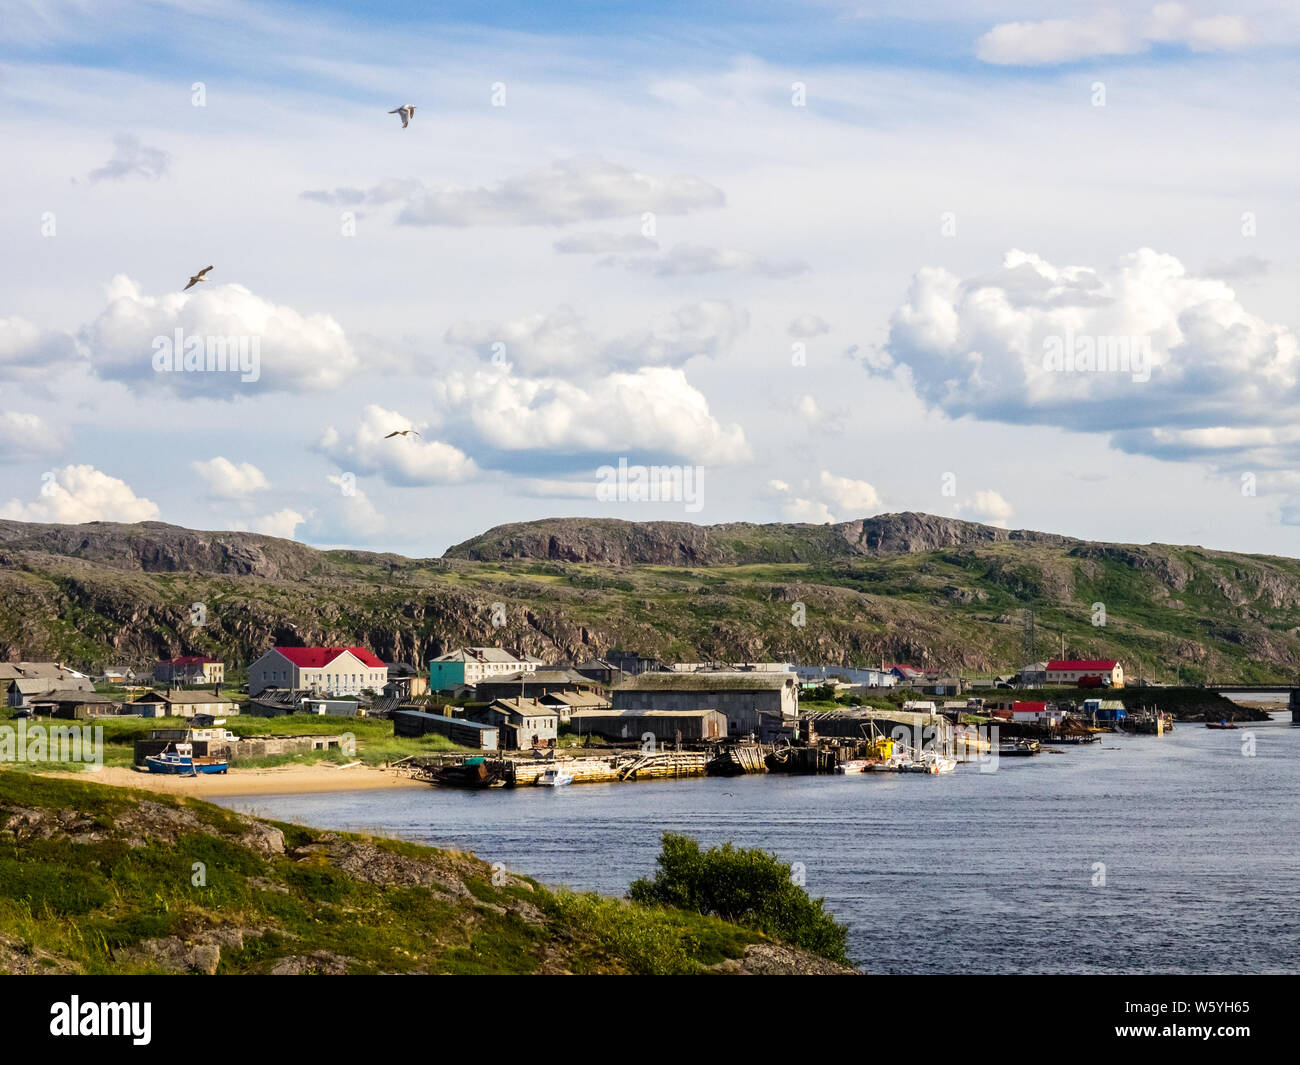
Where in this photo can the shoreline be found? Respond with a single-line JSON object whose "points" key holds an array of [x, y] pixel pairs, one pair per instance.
{"points": [[280, 780]]}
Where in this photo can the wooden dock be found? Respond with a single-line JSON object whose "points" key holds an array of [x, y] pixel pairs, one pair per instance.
{"points": [[662, 765]]}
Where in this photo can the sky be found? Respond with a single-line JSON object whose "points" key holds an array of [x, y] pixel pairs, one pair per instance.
{"points": [[1025, 264]]}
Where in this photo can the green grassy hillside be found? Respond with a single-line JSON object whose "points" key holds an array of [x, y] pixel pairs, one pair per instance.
{"points": [[105, 880], [909, 588]]}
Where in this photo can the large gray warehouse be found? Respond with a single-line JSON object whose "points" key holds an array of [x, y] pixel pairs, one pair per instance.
{"points": [[748, 700]]}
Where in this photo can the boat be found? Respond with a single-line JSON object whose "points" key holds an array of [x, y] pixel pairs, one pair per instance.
{"points": [[475, 772], [854, 765], [1019, 748], [1221, 724], [554, 778], [178, 759]]}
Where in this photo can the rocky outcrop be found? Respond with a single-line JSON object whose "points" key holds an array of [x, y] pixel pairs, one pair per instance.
{"points": [[675, 543]]}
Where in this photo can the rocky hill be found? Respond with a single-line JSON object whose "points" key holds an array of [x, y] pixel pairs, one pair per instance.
{"points": [[904, 587], [676, 543]]}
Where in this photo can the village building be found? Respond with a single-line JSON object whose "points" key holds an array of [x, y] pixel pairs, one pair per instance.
{"points": [[74, 705], [667, 727], [601, 670], [177, 703], [191, 669], [730, 667], [405, 682], [331, 707], [1086, 672], [864, 678], [24, 680], [1028, 711], [475, 734], [521, 723], [564, 703], [634, 664], [907, 674], [319, 670], [533, 684], [751, 702], [473, 665]]}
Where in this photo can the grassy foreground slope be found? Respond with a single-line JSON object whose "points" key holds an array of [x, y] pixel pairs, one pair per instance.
{"points": [[106, 880], [913, 588]]}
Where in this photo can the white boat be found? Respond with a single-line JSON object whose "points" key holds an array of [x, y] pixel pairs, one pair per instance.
{"points": [[554, 778], [941, 763], [856, 765]]}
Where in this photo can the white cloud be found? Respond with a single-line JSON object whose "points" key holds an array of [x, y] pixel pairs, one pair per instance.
{"points": [[806, 407], [808, 325], [581, 189], [847, 494], [26, 436], [811, 511], [226, 480], [819, 502], [27, 352], [131, 158], [399, 460], [598, 243], [984, 346], [343, 514], [692, 259], [76, 494], [293, 351], [561, 342], [282, 523], [652, 411], [985, 506], [1108, 33]]}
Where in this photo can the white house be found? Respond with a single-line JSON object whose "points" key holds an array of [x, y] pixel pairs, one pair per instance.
{"points": [[324, 670], [1108, 672]]}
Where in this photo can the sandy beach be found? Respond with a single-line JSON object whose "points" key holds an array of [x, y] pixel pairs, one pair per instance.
{"points": [[282, 780]]}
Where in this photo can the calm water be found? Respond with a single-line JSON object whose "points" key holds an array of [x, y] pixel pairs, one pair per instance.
{"points": [[971, 872]]}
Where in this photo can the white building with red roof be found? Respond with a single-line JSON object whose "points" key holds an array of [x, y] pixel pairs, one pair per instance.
{"points": [[1086, 672], [326, 670]]}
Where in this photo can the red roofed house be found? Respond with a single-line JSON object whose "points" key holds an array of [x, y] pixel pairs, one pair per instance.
{"points": [[908, 673], [326, 670], [1086, 673], [193, 669], [1027, 711]]}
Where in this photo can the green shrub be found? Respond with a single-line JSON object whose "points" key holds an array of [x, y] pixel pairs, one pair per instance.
{"points": [[640, 939], [748, 887]]}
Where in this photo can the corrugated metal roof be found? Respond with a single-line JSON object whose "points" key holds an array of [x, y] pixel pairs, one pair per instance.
{"points": [[703, 682]]}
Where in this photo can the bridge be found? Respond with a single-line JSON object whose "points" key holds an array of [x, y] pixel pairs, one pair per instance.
{"points": [[1293, 699]]}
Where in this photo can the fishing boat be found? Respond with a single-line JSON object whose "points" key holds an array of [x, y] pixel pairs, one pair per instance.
{"points": [[939, 763], [1019, 748], [178, 759], [554, 778], [1225, 724], [475, 772], [853, 765]]}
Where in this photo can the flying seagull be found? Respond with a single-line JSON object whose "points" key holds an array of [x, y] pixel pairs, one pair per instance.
{"points": [[197, 278], [405, 113], [400, 432]]}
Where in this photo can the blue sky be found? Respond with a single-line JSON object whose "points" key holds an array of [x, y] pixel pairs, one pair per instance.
{"points": [[817, 250]]}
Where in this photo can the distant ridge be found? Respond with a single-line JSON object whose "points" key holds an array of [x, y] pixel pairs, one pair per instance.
{"points": [[914, 588], [678, 543]]}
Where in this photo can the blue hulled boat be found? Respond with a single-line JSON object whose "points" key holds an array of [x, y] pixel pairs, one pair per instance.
{"points": [[178, 759]]}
